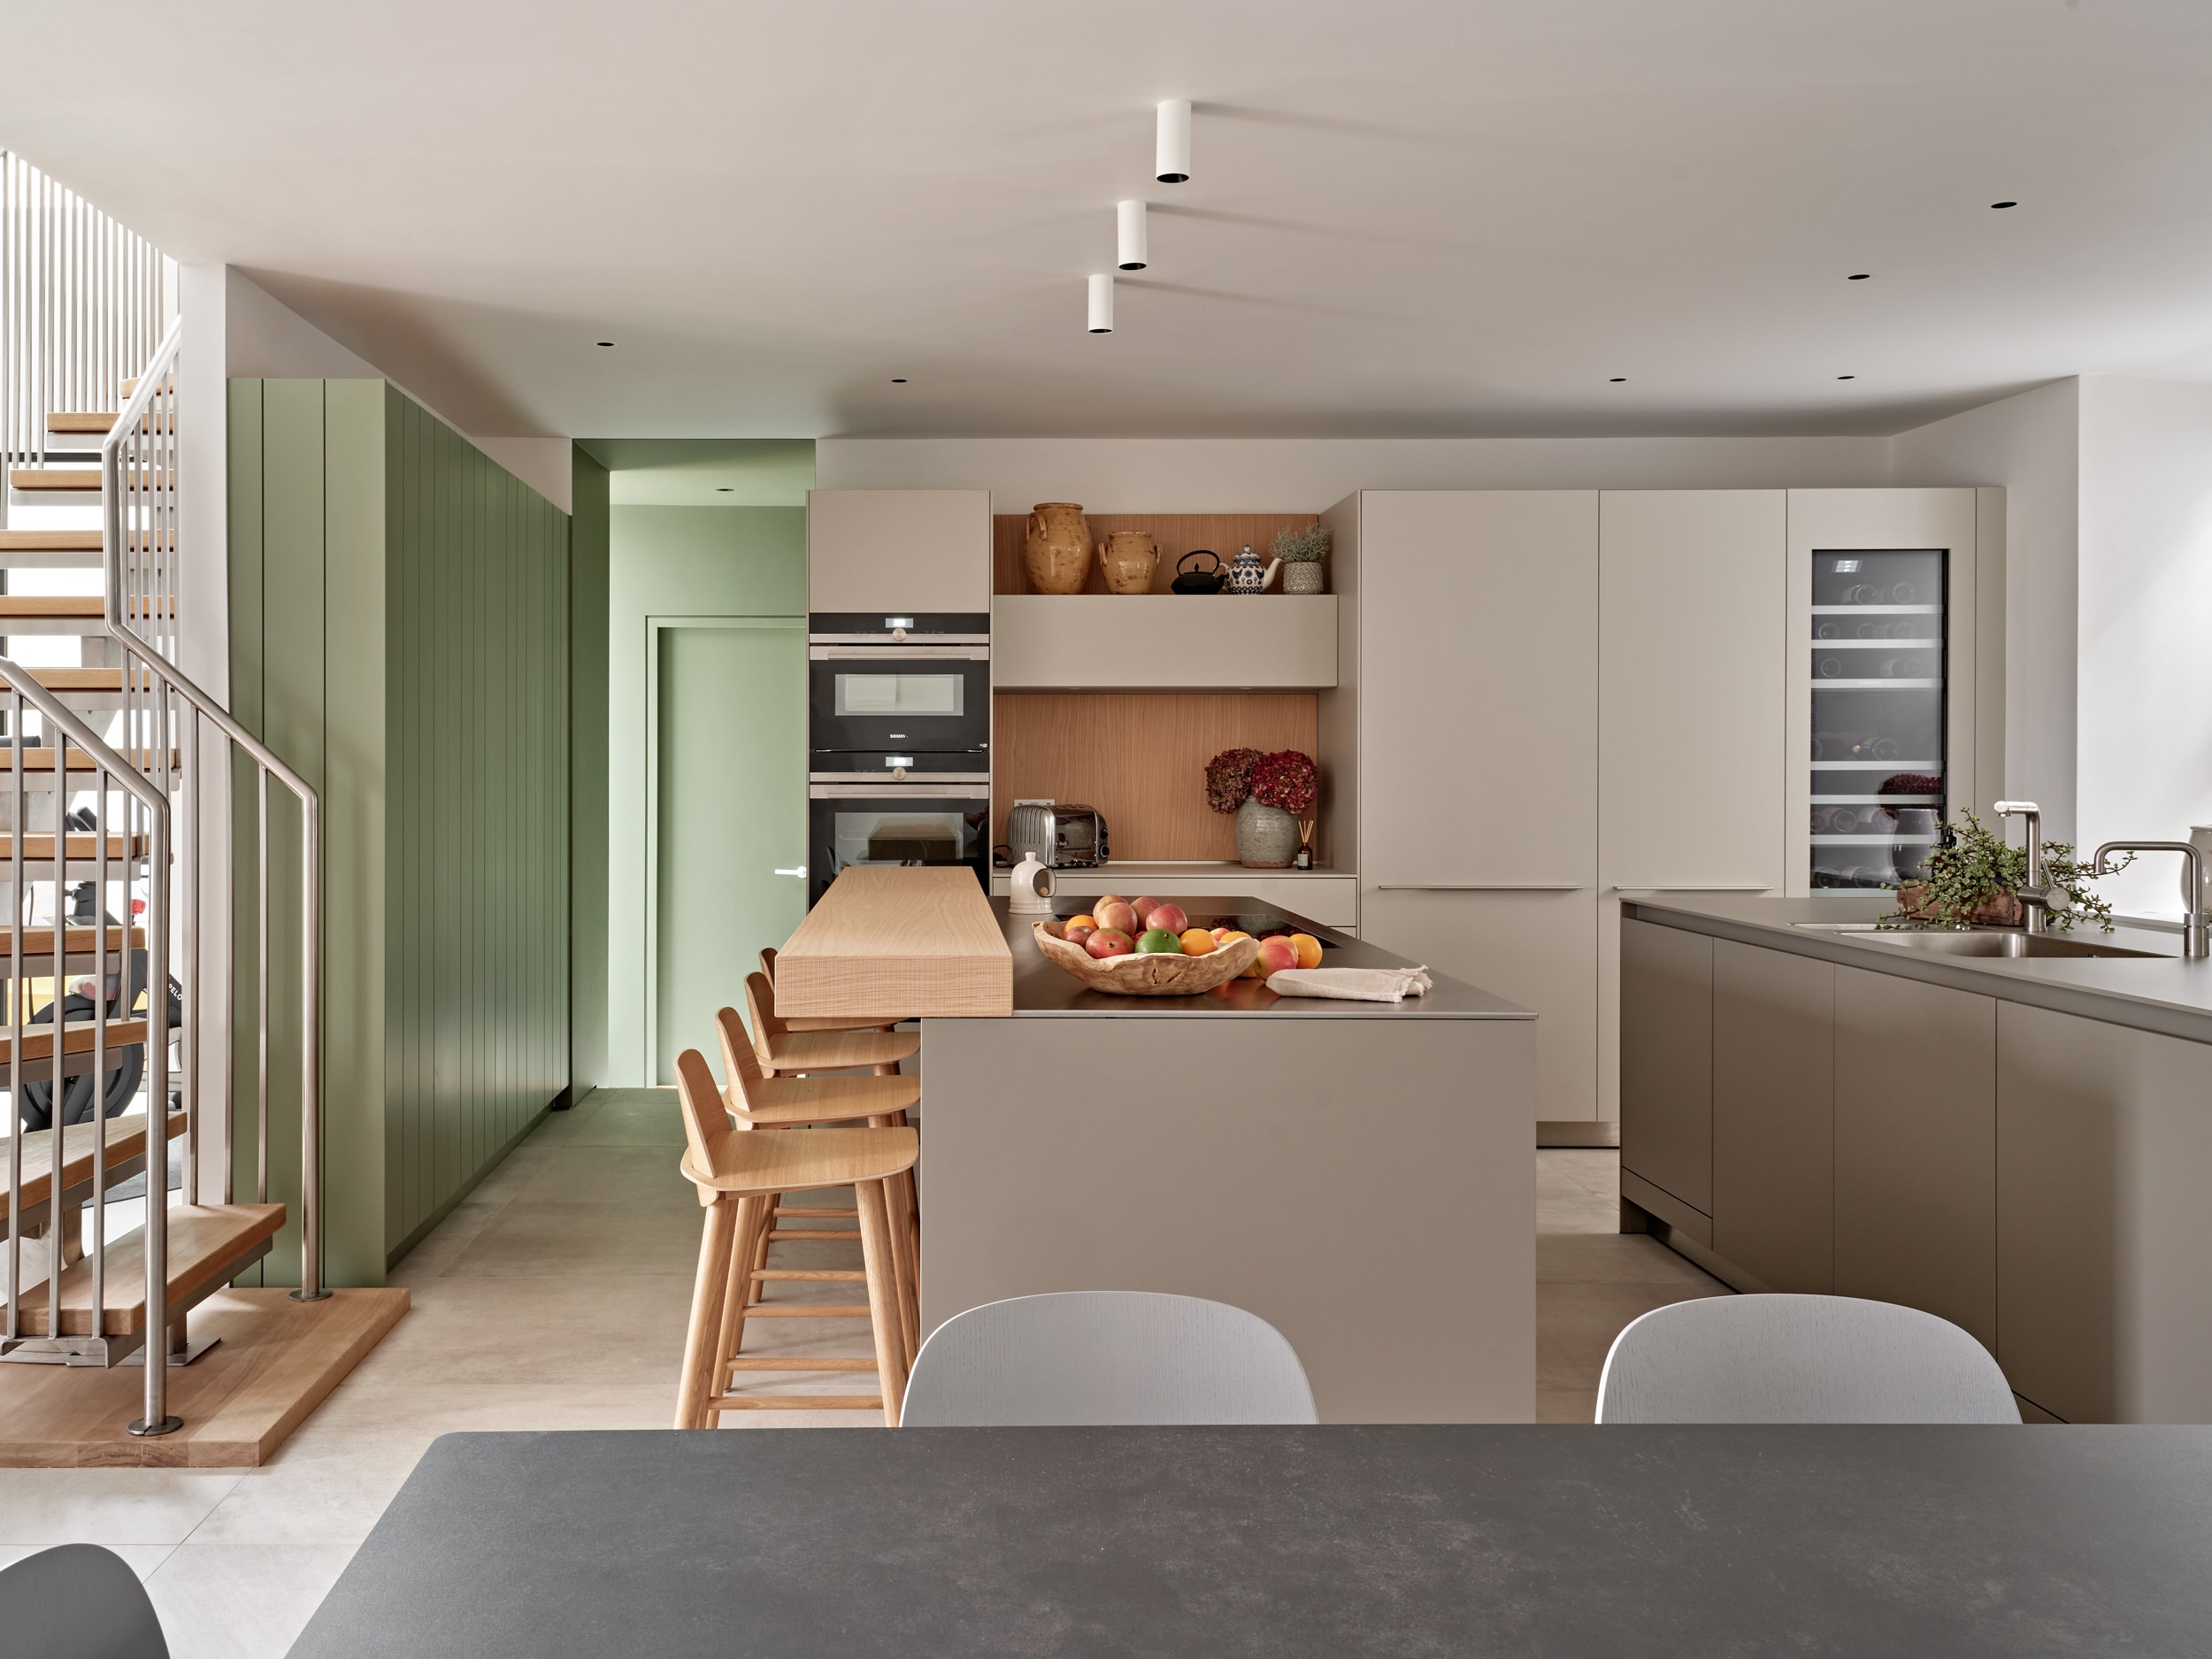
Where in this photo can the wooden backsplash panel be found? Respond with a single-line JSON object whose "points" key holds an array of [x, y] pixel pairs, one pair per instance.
{"points": [[1176, 534], [1139, 759]]}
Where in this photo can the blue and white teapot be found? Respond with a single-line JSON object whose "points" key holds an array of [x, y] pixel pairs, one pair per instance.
{"points": [[1246, 574]]}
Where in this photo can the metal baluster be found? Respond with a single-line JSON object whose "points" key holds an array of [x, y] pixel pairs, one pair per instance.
{"points": [[101, 819], [190, 864], [56, 1228], [15, 1027], [158, 1420], [261, 1085], [310, 1053]]}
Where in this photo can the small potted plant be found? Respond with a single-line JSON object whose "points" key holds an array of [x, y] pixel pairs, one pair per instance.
{"points": [[1269, 794], [1970, 880], [1302, 552]]}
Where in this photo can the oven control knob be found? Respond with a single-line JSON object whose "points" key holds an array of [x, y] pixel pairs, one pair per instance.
{"points": [[898, 771], [898, 633]]}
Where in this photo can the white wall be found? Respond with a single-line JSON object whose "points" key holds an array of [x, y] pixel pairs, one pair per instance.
{"points": [[2028, 444], [2145, 732], [1308, 474]]}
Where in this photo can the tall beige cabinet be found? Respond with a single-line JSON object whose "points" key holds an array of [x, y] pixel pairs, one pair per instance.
{"points": [[1564, 697]]}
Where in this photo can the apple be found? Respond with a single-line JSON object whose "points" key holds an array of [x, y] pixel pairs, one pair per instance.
{"points": [[1076, 935], [1144, 908], [1116, 917], [1276, 955], [1170, 916], [1104, 899], [1109, 941]]}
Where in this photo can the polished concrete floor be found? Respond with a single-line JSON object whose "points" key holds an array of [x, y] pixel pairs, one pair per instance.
{"points": [[555, 1298]]}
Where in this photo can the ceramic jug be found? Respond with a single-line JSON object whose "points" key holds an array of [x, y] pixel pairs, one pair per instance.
{"points": [[1128, 558], [1057, 550]]}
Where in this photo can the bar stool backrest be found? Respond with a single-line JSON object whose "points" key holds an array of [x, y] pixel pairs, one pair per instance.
{"points": [[760, 1003], [706, 1120], [739, 1060], [79, 1601], [768, 961], [1800, 1359], [1105, 1356]]}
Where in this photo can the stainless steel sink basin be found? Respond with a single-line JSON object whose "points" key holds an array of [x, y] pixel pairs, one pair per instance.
{"points": [[1980, 942]]}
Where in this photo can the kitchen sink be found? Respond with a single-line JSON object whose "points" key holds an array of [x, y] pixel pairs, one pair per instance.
{"points": [[1980, 941]]}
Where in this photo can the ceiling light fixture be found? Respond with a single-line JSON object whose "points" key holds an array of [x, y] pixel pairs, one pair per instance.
{"points": [[2004, 205], [1847, 377], [1129, 232], [898, 379], [606, 342], [723, 489], [1620, 379], [1172, 164], [1859, 276], [1102, 303]]}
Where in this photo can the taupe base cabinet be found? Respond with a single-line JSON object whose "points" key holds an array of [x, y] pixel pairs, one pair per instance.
{"points": [[1795, 1124]]}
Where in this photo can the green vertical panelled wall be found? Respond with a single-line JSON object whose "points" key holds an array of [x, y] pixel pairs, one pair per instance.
{"points": [[588, 589], [399, 633]]}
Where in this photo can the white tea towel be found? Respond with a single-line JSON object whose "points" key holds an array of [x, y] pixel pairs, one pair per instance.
{"points": [[1351, 985]]}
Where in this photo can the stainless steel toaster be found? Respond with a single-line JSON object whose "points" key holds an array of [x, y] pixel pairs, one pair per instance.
{"points": [[1062, 835]]}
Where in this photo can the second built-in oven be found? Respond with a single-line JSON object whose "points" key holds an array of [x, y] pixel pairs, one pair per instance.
{"points": [[898, 711], [914, 823]]}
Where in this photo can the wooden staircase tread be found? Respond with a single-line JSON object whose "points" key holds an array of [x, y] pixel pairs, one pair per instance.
{"points": [[38, 846], [205, 1239], [50, 542], [39, 942], [125, 1139], [78, 479], [38, 1040], [42, 759], [82, 421]]}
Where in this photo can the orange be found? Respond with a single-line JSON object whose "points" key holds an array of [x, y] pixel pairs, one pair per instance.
{"points": [[1080, 921], [1309, 949], [1229, 936], [1198, 942]]}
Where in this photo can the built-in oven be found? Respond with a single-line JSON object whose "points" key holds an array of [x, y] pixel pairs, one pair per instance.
{"points": [[924, 824], [898, 696]]}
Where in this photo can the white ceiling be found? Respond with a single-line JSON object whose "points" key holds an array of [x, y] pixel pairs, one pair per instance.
{"points": [[1416, 216]]}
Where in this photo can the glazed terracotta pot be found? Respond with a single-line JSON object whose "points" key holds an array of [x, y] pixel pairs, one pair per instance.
{"points": [[1057, 551], [1128, 558]]}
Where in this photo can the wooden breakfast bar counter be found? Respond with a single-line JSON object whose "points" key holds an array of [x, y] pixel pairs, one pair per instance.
{"points": [[1360, 1175]]}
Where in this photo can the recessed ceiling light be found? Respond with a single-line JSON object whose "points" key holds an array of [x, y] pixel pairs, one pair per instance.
{"points": [[723, 489], [1618, 379], [898, 379], [1847, 377], [1858, 276], [2004, 205], [606, 342]]}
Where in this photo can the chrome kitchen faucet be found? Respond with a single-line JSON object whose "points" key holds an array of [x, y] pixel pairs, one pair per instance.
{"points": [[2039, 898], [2193, 940]]}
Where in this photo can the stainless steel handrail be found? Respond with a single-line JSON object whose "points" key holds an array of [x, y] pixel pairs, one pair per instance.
{"points": [[131, 597], [64, 725]]}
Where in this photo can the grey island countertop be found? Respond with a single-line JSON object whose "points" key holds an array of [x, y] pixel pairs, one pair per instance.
{"points": [[1042, 990], [2158, 992]]}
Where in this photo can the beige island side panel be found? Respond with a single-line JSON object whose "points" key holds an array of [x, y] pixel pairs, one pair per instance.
{"points": [[1365, 1185], [913, 943]]}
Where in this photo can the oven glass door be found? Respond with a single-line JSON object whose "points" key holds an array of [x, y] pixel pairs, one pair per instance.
{"points": [[883, 827], [866, 705]]}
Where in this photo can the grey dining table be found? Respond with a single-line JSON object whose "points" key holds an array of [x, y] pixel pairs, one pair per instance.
{"points": [[1289, 1542]]}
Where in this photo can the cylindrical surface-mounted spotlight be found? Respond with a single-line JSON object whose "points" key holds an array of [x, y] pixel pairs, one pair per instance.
{"points": [[1129, 225], [1102, 303], [1173, 167]]}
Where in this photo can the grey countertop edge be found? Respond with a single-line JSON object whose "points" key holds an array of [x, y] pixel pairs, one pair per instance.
{"points": [[1042, 991], [2030, 983]]}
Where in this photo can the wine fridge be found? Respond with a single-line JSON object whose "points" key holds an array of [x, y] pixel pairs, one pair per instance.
{"points": [[1880, 714]]}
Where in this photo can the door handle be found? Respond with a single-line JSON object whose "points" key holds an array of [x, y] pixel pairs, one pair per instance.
{"points": [[800, 873]]}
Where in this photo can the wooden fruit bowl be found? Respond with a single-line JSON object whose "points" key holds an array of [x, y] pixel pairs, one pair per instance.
{"points": [[1146, 975]]}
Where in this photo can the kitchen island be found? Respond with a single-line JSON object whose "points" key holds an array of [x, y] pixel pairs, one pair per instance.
{"points": [[1358, 1174], [2018, 1144]]}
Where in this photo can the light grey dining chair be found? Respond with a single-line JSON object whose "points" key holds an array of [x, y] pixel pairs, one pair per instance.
{"points": [[1105, 1356], [78, 1601], [1800, 1359]]}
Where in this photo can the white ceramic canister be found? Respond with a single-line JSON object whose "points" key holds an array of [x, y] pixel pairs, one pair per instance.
{"points": [[1029, 889]]}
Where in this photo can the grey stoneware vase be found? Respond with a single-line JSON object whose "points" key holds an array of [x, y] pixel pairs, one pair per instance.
{"points": [[1267, 837]]}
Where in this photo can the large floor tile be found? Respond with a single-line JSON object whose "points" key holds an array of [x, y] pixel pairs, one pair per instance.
{"points": [[637, 1176], [107, 1506], [142, 1558], [528, 1240], [242, 1601]]}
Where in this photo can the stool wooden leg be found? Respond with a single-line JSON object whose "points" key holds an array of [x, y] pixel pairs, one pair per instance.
{"points": [[755, 1256], [884, 1319], [701, 1341], [903, 1254], [739, 1289]]}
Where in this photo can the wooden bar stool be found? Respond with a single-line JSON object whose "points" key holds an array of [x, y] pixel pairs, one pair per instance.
{"points": [[842, 1022], [735, 1174], [761, 1102], [782, 1050]]}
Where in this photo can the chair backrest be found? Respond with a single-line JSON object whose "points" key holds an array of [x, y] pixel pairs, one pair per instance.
{"points": [[1116, 1356], [706, 1120], [78, 1601], [768, 961], [760, 1003], [740, 1063], [1800, 1359]]}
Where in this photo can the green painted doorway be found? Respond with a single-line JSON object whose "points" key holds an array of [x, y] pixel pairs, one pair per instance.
{"points": [[728, 728]]}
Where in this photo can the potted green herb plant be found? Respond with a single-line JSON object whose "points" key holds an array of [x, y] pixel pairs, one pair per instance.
{"points": [[1302, 552], [1970, 881]]}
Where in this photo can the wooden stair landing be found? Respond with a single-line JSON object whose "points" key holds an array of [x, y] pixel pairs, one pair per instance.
{"points": [[276, 1362], [205, 1242]]}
